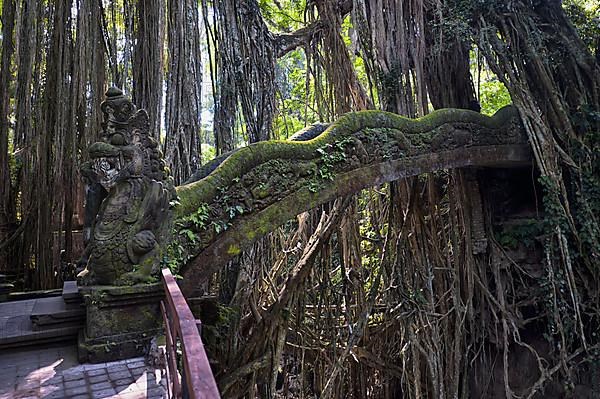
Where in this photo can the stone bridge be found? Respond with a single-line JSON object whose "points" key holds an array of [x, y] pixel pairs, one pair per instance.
{"points": [[265, 184], [137, 222]]}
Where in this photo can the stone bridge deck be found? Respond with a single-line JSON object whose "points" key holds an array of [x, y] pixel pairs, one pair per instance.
{"points": [[38, 355], [53, 372]]}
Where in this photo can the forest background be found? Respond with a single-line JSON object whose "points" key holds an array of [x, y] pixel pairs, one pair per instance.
{"points": [[217, 75]]}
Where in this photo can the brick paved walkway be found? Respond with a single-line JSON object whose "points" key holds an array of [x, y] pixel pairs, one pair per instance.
{"points": [[54, 373]]}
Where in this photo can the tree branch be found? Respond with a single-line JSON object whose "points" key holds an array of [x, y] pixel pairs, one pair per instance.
{"points": [[286, 42]]}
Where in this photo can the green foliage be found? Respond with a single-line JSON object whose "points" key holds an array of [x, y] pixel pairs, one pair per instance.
{"points": [[456, 23], [14, 163], [174, 256], [493, 95], [283, 15], [582, 186], [295, 111], [186, 228], [588, 207], [523, 233], [234, 210], [208, 152], [556, 290], [220, 226], [555, 213], [227, 317], [586, 187], [198, 218], [585, 15], [331, 154]]}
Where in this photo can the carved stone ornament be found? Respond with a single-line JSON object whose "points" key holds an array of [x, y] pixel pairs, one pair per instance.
{"points": [[128, 192]]}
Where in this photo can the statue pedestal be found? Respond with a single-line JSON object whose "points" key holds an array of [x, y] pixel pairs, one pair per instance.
{"points": [[120, 321]]}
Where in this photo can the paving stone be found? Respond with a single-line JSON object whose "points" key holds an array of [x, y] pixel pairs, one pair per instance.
{"points": [[27, 360], [10, 363], [76, 391], [152, 384], [139, 386], [129, 388], [119, 374], [53, 373], [28, 384], [95, 372], [97, 378], [7, 380], [133, 395], [101, 385], [55, 395], [23, 371], [94, 366], [115, 368], [6, 390], [56, 380], [156, 393], [45, 391], [138, 371], [26, 393], [48, 357], [123, 381], [72, 376], [103, 393], [135, 363], [75, 383], [124, 388]]}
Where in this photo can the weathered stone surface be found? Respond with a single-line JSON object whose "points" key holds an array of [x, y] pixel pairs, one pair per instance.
{"points": [[121, 321], [17, 329], [131, 228], [56, 313], [127, 201], [70, 293], [265, 184]]}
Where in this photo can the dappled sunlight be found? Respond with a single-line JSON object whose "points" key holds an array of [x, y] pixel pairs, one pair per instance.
{"points": [[54, 373]]}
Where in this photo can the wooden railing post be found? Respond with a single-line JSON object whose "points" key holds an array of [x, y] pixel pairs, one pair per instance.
{"points": [[181, 326]]}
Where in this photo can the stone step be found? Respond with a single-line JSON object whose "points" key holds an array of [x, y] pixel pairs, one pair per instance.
{"points": [[43, 319], [70, 292], [17, 329], [48, 313]]}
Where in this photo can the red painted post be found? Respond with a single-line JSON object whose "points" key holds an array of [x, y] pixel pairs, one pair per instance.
{"points": [[180, 322]]}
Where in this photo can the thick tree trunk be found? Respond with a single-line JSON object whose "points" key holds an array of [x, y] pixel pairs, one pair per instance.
{"points": [[148, 60], [7, 210], [184, 82], [245, 71]]}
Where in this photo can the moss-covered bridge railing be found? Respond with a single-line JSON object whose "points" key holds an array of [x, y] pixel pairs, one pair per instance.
{"points": [[265, 184]]}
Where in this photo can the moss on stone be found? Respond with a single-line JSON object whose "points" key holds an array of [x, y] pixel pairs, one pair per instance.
{"points": [[261, 186], [239, 163], [255, 225]]}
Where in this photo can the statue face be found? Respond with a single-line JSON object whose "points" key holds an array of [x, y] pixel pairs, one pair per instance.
{"points": [[125, 144], [107, 169]]}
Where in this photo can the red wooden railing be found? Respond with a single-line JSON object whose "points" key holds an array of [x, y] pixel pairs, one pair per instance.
{"points": [[196, 380]]}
